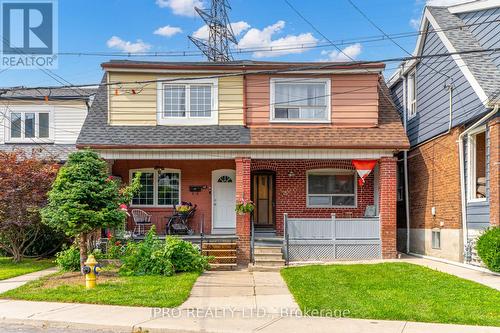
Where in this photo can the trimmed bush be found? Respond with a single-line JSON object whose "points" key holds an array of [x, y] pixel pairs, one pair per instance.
{"points": [[488, 248]]}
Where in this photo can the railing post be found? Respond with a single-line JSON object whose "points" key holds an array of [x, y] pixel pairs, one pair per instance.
{"points": [[287, 239], [202, 222], [252, 240]]}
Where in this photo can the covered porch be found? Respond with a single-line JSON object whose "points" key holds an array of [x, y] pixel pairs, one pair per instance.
{"points": [[301, 187]]}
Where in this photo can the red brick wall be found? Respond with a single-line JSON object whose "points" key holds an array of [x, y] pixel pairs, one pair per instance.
{"points": [[291, 192], [243, 184], [388, 183], [434, 181], [494, 127], [192, 173]]}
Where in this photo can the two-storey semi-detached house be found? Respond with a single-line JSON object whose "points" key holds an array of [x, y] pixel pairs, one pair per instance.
{"points": [[281, 134], [449, 105], [46, 122]]}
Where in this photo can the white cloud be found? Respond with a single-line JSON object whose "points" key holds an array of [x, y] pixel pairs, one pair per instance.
{"points": [[120, 44], [445, 2], [263, 39], [348, 53], [415, 23], [181, 7], [238, 28], [168, 31]]}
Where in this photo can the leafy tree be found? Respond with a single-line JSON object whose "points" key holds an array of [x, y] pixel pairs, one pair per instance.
{"points": [[24, 183], [84, 198]]}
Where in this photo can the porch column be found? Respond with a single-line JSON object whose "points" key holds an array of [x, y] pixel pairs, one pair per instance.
{"points": [[388, 201], [243, 183], [494, 129]]}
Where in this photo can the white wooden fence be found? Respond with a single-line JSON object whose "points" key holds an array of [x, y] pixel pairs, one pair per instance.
{"points": [[332, 239]]}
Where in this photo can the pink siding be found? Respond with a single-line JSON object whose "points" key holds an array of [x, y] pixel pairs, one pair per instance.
{"points": [[354, 99]]}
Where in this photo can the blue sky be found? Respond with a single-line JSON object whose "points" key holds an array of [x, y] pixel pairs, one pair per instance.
{"points": [[130, 26]]}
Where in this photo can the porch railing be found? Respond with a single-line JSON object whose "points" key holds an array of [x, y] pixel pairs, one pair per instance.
{"points": [[252, 239], [332, 238], [287, 239]]}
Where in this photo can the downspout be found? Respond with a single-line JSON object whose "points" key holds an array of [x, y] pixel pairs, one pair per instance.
{"points": [[462, 171], [405, 165]]}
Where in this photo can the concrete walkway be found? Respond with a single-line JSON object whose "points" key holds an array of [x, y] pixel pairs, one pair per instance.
{"points": [[15, 282]]}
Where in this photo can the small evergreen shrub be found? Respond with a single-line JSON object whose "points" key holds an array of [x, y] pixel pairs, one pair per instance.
{"points": [[488, 248]]}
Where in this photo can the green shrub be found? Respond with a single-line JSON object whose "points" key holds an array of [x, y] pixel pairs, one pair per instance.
{"points": [[115, 249], [69, 259], [488, 248], [155, 257]]}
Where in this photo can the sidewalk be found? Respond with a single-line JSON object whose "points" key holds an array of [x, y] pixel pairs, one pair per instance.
{"points": [[15, 282]]}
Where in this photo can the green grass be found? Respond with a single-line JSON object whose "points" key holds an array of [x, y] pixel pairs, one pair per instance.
{"points": [[393, 291], [9, 269], [153, 291]]}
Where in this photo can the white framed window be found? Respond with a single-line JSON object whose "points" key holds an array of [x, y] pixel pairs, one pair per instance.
{"points": [[412, 94], [331, 188], [159, 188], [436, 239], [476, 165], [29, 124], [190, 102], [300, 100]]}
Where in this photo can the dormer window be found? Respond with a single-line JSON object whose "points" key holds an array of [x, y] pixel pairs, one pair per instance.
{"points": [[192, 102], [30, 125], [412, 95], [300, 100]]}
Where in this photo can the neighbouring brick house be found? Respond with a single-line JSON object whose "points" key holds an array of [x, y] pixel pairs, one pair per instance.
{"points": [[449, 106], [281, 134]]}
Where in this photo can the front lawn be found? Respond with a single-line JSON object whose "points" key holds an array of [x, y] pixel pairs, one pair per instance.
{"points": [[154, 291], [9, 269], [393, 291]]}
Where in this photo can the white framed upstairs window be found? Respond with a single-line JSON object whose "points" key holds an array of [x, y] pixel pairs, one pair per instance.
{"points": [[412, 94], [299, 100], [29, 125], [189, 102], [476, 165]]}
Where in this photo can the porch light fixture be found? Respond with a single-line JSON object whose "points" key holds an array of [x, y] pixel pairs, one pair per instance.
{"points": [[291, 174]]}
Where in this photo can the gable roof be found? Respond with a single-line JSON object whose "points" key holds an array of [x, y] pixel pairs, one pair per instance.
{"points": [[97, 133], [480, 70]]}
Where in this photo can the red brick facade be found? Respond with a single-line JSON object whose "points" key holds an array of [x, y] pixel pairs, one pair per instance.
{"points": [[291, 189], [243, 183], [388, 183], [494, 127]]}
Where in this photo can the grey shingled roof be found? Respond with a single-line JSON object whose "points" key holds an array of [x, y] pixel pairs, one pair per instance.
{"points": [[97, 131], [57, 152], [63, 93], [481, 66]]}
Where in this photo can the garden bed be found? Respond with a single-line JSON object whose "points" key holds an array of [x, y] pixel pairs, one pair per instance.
{"points": [[10, 269], [393, 291], [113, 289]]}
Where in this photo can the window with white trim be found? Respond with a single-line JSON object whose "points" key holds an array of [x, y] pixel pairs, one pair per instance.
{"points": [[331, 188], [300, 100], [191, 102], [412, 94], [29, 126], [158, 187], [477, 165]]}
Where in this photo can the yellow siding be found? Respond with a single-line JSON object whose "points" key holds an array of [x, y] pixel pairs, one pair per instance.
{"points": [[140, 109]]}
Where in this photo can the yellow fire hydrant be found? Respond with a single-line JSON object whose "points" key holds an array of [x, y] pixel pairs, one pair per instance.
{"points": [[91, 270]]}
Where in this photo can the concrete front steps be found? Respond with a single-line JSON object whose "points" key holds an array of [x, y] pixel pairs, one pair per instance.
{"points": [[267, 258], [223, 253]]}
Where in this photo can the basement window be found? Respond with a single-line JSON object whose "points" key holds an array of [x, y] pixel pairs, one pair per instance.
{"points": [[436, 239], [477, 165]]}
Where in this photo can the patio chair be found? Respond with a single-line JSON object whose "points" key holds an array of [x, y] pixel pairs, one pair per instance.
{"points": [[141, 221]]}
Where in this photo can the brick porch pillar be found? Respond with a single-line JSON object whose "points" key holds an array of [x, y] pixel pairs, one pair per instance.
{"points": [[494, 128], [388, 202], [243, 183]]}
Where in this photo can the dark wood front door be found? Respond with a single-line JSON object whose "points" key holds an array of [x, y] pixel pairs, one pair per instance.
{"points": [[263, 185]]}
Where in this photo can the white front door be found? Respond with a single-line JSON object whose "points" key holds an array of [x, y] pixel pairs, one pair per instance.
{"points": [[223, 201]]}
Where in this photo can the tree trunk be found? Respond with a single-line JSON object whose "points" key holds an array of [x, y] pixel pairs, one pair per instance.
{"points": [[83, 248], [16, 256]]}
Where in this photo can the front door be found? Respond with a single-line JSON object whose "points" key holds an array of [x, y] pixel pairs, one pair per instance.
{"points": [[263, 197], [223, 201]]}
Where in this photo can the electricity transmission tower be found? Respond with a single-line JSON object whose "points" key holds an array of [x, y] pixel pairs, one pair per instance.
{"points": [[220, 33]]}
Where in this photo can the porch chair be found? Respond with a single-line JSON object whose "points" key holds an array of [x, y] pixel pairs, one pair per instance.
{"points": [[141, 221]]}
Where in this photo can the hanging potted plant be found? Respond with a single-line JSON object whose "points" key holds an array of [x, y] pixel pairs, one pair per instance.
{"points": [[244, 206]]}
